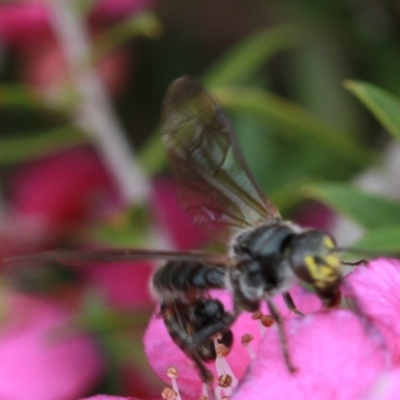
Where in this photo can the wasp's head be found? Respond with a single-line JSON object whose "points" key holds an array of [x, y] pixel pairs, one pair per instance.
{"points": [[313, 257]]}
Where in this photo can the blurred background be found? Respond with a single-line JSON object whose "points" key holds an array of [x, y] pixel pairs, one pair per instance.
{"points": [[311, 89]]}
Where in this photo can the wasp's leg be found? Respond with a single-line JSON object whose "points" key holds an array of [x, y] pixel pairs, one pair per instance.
{"points": [[205, 374], [212, 329], [282, 335], [290, 304]]}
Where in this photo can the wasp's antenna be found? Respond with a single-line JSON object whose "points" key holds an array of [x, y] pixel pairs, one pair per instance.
{"points": [[354, 250], [351, 250]]}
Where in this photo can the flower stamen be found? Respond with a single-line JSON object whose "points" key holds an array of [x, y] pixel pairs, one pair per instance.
{"points": [[264, 321], [246, 342], [205, 395], [221, 363], [172, 393], [169, 394], [224, 385]]}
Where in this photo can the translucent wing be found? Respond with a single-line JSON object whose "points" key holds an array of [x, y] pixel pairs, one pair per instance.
{"points": [[79, 257], [216, 186]]}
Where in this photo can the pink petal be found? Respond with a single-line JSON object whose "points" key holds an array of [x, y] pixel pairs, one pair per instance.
{"points": [[122, 284], [61, 190], [46, 71], [185, 233], [314, 215], [305, 301], [109, 10], [105, 397], [162, 351], [27, 24], [335, 356], [24, 24], [375, 288], [37, 362], [386, 387]]}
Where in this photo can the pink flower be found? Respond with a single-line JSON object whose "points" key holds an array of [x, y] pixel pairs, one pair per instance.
{"points": [[105, 397], [239, 356], [26, 22], [52, 196], [23, 24], [25, 27], [39, 360], [122, 284], [375, 288], [314, 215], [331, 350], [45, 71], [386, 387], [110, 10], [186, 235]]}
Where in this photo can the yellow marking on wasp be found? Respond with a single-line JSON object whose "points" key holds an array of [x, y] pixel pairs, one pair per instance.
{"points": [[328, 242], [333, 261], [323, 274]]}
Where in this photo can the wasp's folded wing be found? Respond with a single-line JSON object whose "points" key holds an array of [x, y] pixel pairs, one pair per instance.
{"points": [[216, 185], [81, 257]]}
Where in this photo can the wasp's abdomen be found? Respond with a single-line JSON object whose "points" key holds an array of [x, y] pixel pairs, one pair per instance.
{"points": [[176, 278]]}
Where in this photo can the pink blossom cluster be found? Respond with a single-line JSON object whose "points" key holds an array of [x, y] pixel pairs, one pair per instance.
{"points": [[50, 200], [26, 29], [339, 354]]}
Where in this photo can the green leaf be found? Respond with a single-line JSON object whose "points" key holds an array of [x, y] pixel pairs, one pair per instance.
{"points": [[244, 59], [369, 210], [126, 229], [16, 150], [145, 24], [15, 95], [384, 240], [382, 104], [298, 122]]}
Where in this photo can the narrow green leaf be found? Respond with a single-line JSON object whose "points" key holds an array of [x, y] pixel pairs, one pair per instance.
{"points": [[382, 104], [16, 150], [245, 58], [145, 24], [382, 241], [369, 210], [15, 95], [111, 320], [298, 122]]}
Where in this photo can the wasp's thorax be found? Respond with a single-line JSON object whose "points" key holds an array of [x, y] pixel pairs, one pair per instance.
{"points": [[273, 256]]}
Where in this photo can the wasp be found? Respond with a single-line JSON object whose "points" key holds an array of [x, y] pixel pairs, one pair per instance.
{"points": [[266, 255]]}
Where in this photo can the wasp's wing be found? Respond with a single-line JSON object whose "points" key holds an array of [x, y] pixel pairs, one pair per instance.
{"points": [[215, 184], [79, 257]]}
